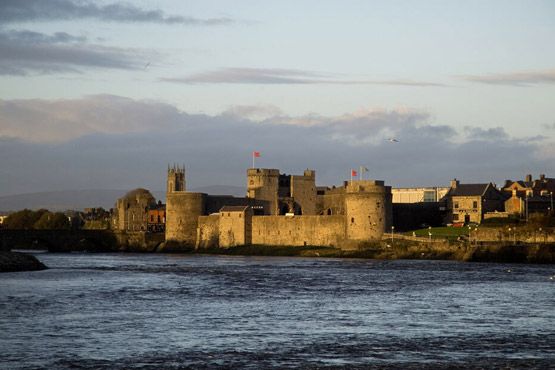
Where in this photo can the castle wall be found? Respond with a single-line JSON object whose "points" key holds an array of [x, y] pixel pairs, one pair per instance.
{"points": [[303, 190], [235, 228], [208, 231], [182, 214], [298, 230], [331, 203]]}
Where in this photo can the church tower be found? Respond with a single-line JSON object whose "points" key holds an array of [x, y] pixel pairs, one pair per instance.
{"points": [[176, 179]]}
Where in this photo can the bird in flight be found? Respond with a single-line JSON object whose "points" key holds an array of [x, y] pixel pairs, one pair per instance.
{"points": [[393, 140]]}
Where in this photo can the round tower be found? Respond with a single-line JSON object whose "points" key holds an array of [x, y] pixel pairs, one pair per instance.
{"points": [[182, 212], [366, 210], [263, 184]]}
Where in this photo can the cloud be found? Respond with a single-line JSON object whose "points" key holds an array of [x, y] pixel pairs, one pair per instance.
{"points": [[115, 142], [41, 38], [279, 76], [254, 112], [526, 78], [480, 134], [56, 121], [24, 52], [15, 11]]}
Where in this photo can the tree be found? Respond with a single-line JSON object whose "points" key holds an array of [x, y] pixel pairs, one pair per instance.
{"points": [[24, 219], [52, 221]]}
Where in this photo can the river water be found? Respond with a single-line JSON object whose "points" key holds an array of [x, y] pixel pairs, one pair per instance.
{"points": [[150, 311]]}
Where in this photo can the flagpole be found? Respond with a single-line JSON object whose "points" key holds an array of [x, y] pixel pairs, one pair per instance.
{"points": [[360, 173], [252, 159]]}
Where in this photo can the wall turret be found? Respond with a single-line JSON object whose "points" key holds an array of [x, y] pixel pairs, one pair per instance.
{"points": [[263, 184], [366, 209]]}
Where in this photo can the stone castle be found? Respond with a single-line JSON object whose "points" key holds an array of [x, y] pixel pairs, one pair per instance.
{"points": [[278, 209]]}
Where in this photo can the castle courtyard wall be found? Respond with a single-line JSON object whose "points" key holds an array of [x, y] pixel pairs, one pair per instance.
{"points": [[235, 228], [208, 232], [298, 230]]}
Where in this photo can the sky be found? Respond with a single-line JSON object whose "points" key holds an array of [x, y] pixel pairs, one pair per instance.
{"points": [[106, 94]]}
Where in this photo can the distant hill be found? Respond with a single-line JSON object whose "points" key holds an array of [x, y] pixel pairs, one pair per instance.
{"points": [[78, 199]]}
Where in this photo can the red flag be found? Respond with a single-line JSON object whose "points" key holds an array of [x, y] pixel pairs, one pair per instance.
{"points": [[256, 154], [353, 173]]}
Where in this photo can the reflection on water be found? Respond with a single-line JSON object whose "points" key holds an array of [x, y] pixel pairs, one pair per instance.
{"points": [[179, 311]]}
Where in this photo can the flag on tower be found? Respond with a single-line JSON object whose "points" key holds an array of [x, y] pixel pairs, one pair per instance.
{"points": [[353, 173], [255, 154]]}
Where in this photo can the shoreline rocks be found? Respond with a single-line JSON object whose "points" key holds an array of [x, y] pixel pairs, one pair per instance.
{"points": [[15, 261]]}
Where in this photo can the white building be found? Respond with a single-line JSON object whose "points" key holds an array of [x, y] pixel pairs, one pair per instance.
{"points": [[418, 195]]}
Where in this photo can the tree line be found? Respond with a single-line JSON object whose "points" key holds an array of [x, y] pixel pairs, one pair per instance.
{"points": [[36, 220]]}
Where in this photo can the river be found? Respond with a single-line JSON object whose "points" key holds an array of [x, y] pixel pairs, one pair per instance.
{"points": [[151, 311]]}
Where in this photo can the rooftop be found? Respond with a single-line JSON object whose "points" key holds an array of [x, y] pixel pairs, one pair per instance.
{"points": [[234, 208], [468, 190]]}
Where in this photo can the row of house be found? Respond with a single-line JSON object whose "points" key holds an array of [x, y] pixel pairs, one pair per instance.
{"points": [[472, 203]]}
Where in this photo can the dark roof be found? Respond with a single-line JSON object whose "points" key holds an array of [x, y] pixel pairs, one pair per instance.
{"points": [[537, 198], [525, 184], [466, 190], [233, 208], [138, 191]]}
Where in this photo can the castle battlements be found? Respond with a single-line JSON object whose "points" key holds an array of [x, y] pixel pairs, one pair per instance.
{"points": [[278, 209]]}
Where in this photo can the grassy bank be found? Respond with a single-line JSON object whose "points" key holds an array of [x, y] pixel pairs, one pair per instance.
{"points": [[443, 232], [397, 250], [405, 250]]}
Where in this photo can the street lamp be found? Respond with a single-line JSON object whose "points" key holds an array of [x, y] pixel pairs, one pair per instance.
{"points": [[527, 207], [430, 233], [392, 228]]}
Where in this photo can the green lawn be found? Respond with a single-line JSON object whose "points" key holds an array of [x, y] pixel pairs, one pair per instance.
{"points": [[441, 232]]}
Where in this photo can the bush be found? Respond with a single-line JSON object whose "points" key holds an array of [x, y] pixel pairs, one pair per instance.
{"points": [[538, 219]]}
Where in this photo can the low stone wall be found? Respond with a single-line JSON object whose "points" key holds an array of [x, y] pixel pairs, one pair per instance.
{"points": [[138, 241], [298, 230], [522, 234]]}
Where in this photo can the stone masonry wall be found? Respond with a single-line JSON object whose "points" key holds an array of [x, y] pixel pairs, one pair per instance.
{"points": [[235, 228], [303, 189], [298, 230], [182, 214], [208, 232]]}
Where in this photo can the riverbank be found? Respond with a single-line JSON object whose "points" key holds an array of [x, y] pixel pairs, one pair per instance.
{"points": [[15, 261], [540, 253]]}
